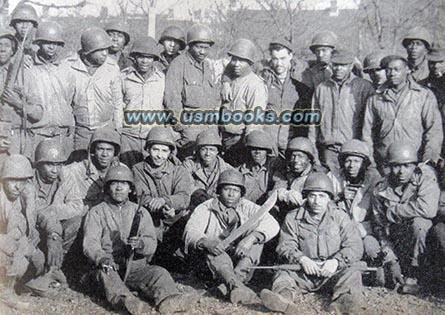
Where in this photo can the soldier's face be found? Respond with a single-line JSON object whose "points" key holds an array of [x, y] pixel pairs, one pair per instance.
{"points": [[199, 51], [352, 166], [437, 68], [402, 173], [49, 171], [143, 63], [159, 154], [6, 50], [416, 49], [280, 60], [318, 202], [119, 191], [378, 76], [340, 71], [171, 46], [117, 40], [13, 187], [49, 49], [239, 65], [258, 155], [298, 161], [230, 195], [208, 154], [103, 154], [22, 26], [323, 54], [397, 72], [98, 57]]}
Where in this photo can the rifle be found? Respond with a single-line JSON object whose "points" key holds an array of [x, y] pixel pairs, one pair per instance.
{"points": [[133, 232], [297, 267]]}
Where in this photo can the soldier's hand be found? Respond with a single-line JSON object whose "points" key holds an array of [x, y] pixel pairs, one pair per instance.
{"points": [[168, 211], [245, 245], [156, 204], [282, 194], [106, 264], [310, 267], [13, 98], [329, 268], [134, 242], [226, 92], [55, 251], [295, 198], [213, 246]]}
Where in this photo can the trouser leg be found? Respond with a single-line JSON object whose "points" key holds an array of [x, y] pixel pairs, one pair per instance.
{"points": [[242, 269]]}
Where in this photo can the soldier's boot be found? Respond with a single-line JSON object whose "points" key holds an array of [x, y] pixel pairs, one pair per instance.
{"points": [[178, 303], [276, 302], [239, 293], [410, 286], [131, 304]]}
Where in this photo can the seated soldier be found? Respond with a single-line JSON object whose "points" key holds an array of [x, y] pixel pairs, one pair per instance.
{"points": [[353, 188], [89, 174], [205, 167], [58, 205], [326, 246], [20, 259], [109, 241], [260, 166], [213, 221], [404, 204]]}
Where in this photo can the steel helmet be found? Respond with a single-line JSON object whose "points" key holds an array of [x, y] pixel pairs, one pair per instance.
{"points": [[121, 27], [244, 49], [356, 148], [418, 32], [11, 37], [93, 39], [173, 32], [108, 135], [17, 166], [328, 39], [145, 45], [301, 144], [232, 177], [208, 137], [281, 42], [49, 32], [160, 135], [401, 153], [318, 182], [372, 61], [50, 150], [24, 12], [119, 173], [259, 139], [200, 33]]}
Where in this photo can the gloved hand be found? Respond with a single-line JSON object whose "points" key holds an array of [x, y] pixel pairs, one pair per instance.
{"points": [[213, 246], [245, 244], [55, 251], [106, 264]]}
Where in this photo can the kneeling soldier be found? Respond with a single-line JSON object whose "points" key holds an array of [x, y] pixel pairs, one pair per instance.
{"points": [[327, 247], [109, 241]]}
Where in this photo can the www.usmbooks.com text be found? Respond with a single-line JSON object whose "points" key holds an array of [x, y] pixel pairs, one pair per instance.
{"points": [[224, 116]]}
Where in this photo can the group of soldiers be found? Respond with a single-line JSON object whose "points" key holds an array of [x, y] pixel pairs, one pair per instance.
{"points": [[322, 205]]}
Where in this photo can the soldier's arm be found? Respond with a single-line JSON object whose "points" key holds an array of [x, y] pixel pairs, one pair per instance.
{"points": [[181, 190], [368, 126], [257, 97], [195, 228], [72, 205], [92, 241], [267, 227], [351, 243], [173, 88], [313, 130], [433, 133], [289, 245], [118, 100], [147, 235]]}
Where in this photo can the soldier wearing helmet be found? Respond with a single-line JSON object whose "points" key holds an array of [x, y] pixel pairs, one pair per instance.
{"points": [[418, 42], [96, 82], [323, 242], [260, 165], [205, 167], [115, 217], [205, 230], [164, 188], [58, 204], [404, 204], [89, 174], [371, 66], [342, 100], [173, 41], [417, 120], [143, 88], [19, 253], [248, 92], [190, 84], [120, 37], [24, 20]]}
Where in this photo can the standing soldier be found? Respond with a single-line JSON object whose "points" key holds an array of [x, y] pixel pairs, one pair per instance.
{"points": [[120, 37], [248, 92], [371, 66], [97, 89], [52, 87], [191, 84], [436, 79], [417, 43], [213, 221], [89, 174], [402, 112], [143, 87], [173, 41], [108, 241], [404, 204], [23, 19], [342, 100]]}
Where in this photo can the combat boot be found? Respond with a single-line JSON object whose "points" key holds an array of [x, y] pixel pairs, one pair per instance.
{"points": [[178, 303], [278, 303]]}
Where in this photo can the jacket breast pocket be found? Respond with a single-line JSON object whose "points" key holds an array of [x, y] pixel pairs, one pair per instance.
{"points": [[193, 94], [333, 240]]}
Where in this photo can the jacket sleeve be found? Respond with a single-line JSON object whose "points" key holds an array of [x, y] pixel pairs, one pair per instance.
{"points": [[173, 88], [313, 130], [72, 204], [181, 189], [368, 122], [196, 226], [433, 133], [147, 235], [289, 246], [33, 106], [257, 97], [267, 225], [92, 244], [117, 99]]}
